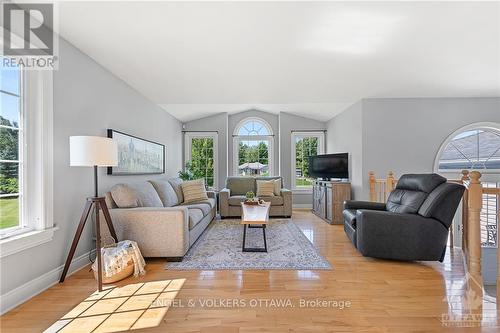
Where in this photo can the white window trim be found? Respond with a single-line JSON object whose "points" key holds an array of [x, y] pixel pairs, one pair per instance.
{"points": [[491, 126], [189, 136], [37, 220], [321, 150]]}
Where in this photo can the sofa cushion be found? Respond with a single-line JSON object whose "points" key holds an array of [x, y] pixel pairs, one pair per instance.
{"points": [[140, 194], [350, 217], [210, 202], [176, 185], [205, 208], [236, 200], [194, 190], [165, 192], [240, 185], [195, 216], [265, 188], [275, 200]]}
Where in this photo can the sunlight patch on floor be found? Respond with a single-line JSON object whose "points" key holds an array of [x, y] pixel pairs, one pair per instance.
{"points": [[116, 309]]}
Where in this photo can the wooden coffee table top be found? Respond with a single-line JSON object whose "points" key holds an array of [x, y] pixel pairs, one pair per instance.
{"points": [[255, 214]]}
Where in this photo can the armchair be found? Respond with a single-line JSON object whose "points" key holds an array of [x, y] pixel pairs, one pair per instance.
{"points": [[412, 225]]}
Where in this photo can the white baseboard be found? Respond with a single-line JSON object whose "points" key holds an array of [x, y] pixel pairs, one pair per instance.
{"points": [[302, 206], [34, 287]]}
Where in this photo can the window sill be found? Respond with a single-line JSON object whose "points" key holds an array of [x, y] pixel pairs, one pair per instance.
{"points": [[302, 190], [25, 241]]}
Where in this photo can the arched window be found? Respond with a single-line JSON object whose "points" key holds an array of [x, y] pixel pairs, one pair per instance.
{"points": [[253, 148], [475, 146]]}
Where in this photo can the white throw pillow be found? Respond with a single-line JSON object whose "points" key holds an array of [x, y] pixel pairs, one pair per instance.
{"points": [[277, 186], [194, 190], [265, 188]]}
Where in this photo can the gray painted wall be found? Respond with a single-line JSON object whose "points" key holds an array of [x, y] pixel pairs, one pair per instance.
{"points": [[345, 135], [214, 123], [87, 100], [404, 135], [401, 134], [288, 123]]}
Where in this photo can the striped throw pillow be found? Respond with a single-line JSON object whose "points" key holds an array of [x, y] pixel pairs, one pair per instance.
{"points": [[194, 190], [265, 188]]}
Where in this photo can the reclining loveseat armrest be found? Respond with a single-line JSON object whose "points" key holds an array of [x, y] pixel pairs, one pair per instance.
{"points": [[224, 195], [354, 204], [159, 231], [287, 201], [383, 234]]}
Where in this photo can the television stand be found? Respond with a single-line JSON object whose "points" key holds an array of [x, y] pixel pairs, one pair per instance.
{"points": [[328, 199]]}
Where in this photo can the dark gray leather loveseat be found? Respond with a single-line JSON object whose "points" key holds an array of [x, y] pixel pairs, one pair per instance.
{"points": [[412, 225]]}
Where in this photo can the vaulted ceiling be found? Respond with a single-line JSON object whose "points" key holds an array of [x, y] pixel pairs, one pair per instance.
{"points": [[308, 58]]}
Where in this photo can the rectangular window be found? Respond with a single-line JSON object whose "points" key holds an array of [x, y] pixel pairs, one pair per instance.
{"points": [[201, 156], [253, 157], [11, 152], [305, 144]]}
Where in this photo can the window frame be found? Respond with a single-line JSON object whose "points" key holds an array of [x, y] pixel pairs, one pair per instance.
{"points": [[22, 225], [488, 126], [189, 136], [37, 224], [320, 135], [239, 138]]}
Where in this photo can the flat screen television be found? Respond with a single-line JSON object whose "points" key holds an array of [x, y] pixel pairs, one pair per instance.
{"points": [[329, 166]]}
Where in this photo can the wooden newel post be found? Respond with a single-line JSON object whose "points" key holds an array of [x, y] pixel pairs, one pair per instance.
{"points": [[373, 194], [389, 184], [475, 202]]}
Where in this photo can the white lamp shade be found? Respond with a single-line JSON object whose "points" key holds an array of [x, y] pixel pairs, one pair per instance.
{"points": [[92, 150]]}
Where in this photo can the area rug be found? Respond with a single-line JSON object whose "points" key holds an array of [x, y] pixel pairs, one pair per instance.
{"points": [[219, 248]]}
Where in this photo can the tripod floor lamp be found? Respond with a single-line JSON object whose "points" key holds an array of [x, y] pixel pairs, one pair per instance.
{"points": [[92, 151]]}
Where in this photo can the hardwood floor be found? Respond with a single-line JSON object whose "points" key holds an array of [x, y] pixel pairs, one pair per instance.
{"points": [[377, 296]]}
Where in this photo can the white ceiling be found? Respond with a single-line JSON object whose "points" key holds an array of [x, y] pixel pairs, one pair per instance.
{"points": [[313, 59]]}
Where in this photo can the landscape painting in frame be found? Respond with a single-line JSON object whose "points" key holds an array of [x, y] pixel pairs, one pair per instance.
{"points": [[137, 156]]}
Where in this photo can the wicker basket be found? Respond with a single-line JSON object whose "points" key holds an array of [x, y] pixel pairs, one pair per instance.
{"points": [[124, 273]]}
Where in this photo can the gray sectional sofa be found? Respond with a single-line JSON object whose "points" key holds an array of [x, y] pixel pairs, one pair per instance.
{"points": [[153, 214], [233, 194]]}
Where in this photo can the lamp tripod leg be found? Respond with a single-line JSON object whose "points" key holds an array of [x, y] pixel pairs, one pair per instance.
{"points": [[79, 230]]}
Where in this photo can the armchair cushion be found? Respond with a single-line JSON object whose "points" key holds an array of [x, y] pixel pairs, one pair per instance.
{"points": [[236, 200], [240, 185], [275, 200]]}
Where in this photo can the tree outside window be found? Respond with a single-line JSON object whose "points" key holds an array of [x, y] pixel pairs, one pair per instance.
{"points": [[10, 157], [201, 163]]}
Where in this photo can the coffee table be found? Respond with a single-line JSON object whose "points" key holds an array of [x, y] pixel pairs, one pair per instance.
{"points": [[255, 216]]}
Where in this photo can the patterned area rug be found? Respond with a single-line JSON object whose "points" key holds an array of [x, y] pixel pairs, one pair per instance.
{"points": [[220, 248]]}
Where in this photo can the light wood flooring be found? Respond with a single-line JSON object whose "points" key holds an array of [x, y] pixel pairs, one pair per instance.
{"points": [[377, 296]]}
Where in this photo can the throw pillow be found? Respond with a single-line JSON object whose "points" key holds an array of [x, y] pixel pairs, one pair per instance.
{"points": [[194, 190], [265, 188], [277, 186]]}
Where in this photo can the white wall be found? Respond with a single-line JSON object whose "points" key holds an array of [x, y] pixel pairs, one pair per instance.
{"points": [[87, 100], [345, 135]]}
